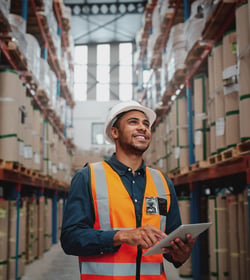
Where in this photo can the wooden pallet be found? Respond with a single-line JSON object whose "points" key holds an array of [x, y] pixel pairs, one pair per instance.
{"points": [[15, 53], [15, 166], [2, 163], [215, 159], [181, 171], [229, 154], [244, 147], [199, 165]]}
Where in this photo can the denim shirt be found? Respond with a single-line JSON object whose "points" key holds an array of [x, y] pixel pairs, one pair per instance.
{"points": [[78, 236]]}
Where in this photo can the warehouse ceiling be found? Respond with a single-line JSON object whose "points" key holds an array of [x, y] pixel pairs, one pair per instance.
{"points": [[96, 21]]}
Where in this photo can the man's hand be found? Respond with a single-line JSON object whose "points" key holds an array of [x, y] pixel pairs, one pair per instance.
{"points": [[179, 250], [145, 236]]}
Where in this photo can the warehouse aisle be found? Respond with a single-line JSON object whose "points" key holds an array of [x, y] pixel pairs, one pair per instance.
{"points": [[56, 265]]}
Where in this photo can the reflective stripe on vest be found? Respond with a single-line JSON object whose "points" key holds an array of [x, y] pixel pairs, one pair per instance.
{"points": [[102, 196], [120, 269]]}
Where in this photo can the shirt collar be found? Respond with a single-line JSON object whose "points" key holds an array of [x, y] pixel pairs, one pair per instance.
{"points": [[121, 168]]}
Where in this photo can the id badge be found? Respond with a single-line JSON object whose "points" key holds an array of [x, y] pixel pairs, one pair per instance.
{"points": [[152, 205]]}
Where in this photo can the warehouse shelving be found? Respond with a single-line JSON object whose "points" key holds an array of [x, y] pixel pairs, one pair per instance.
{"points": [[19, 183], [205, 171], [19, 63], [146, 30], [215, 27], [230, 168]]}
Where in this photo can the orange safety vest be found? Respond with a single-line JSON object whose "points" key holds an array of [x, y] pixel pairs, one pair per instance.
{"points": [[114, 210]]}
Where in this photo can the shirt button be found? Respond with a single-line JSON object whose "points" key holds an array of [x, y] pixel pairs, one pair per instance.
{"points": [[129, 169], [136, 200], [139, 173], [133, 182]]}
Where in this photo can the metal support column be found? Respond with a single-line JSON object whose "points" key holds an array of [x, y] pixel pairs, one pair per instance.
{"points": [[54, 217], [186, 9], [18, 203], [194, 188], [24, 9], [45, 52]]}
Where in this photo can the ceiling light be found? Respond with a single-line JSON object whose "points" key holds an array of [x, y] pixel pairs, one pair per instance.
{"points": [[76, 10], [140, 8], [104, 9], [94, 9], [113, 9], [131, 8], [122, 9], [85, 10]]}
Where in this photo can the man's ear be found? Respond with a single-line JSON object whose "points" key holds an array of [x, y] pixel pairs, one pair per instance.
{"points": [[114, 132]]}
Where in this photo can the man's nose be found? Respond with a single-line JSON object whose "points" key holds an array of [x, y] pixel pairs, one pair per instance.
{"points": [[142, 126]]}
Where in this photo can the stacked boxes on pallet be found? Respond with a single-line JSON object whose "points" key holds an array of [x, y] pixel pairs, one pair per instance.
{"points": [[10, 122], [34, 235], [228, 237], [226, 90], [24, 134]]}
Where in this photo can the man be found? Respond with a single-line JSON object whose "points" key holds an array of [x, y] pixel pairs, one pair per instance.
{"points": [[119, 208]]}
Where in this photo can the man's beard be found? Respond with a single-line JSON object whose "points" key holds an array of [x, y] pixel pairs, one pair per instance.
{"points": [[133, 149]]}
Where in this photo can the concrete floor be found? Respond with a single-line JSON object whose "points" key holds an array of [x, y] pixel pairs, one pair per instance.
{"points": [[56, 265]]}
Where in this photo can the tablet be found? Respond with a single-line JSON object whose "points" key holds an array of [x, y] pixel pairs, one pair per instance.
{"points": [[193, 229]]}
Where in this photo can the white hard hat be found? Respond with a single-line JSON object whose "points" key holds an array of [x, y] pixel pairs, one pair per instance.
{"points": [[123, 107]]}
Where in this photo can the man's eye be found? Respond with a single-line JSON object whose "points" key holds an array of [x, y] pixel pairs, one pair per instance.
{"points": [[146, 124], [133, 121]]}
